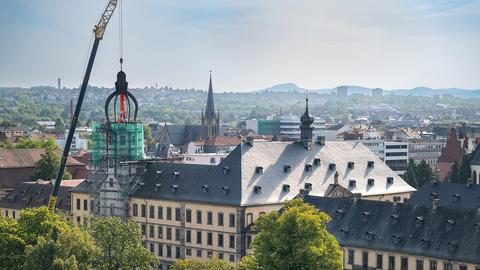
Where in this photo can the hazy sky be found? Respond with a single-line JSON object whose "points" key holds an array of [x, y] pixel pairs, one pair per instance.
{"points": [[249, 45]]}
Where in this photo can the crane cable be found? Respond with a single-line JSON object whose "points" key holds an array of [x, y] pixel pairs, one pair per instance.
{"points": [[120, 36]]}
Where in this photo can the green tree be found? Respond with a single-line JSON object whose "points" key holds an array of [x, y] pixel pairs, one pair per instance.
{"points": [[411, 174], [297, 238], [12, 246], [147, 135], [121, 245], [59, 126], [210, 264], [47, 167], [453, 175], [464, 172], [424, 173], [7, 123]]}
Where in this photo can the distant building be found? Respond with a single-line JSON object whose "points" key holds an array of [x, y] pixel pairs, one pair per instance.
{"points": [[428, 150], [377, 146], [452, 195], [453, 152], [342, 92], [377, 92], [210, 119], [18, 165], [78, 141], [396, 156], [286, 126], [204, 158], [46, 124], [475, 166], [10, 132], [386, 235]]}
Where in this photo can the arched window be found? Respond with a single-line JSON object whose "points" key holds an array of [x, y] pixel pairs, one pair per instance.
{"points": [[474, 177]]}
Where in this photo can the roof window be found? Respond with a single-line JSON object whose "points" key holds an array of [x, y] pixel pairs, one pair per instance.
{"points": [[352, 184], [370, 164], [174, 188], [286, 188], [205, 188], [287, 168], [308, 186], [259, 170], [308, 167], [371, 182], [316, 161], [225, 190], [351, 165], [257, 189], [332, 166], [390, 180]]}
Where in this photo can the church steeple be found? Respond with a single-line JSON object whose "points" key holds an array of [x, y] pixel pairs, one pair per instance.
{"points": [[210, 120], [306, 127]]}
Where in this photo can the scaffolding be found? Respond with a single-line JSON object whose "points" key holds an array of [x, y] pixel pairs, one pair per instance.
{"points": [[118, 154]]}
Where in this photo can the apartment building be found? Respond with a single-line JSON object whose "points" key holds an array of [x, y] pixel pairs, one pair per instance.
{"points": [[396, 156], [428, 150]]}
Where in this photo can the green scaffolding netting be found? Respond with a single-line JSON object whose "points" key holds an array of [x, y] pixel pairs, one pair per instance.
{"points": [[117, 142]]}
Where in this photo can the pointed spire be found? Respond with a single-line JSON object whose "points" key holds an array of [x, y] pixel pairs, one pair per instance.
{"points": [[210, 109]]}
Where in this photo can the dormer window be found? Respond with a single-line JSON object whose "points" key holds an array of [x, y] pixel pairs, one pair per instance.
{"points": [[158, 173], [433, 195], [371, 182], [452, 245], [456, 197], [141, 184], [419, 220], [450, 224], [352, 184], [340, 212], [205, 188], [225, 190], [175, 175], [370, 236], [395, 218], [259, 170], [257, 189], [287, 168], [308, 186], [308, 167], [174, 188], [226, 170], [343, 232], [157, 186], [286, 188], [370, 164], [396, 238], [365, 215], [424, 243], [316, 161], [350, 165], [477, 227], [332, 166], [390, 180]]}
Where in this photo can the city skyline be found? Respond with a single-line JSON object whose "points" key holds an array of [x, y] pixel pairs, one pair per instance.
{"points": [[248, 45]]}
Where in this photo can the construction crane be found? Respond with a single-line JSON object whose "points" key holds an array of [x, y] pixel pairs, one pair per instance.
{"points": [[99, 31]]}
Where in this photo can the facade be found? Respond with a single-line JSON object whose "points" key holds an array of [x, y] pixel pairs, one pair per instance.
{"points": [[385, 235], [12, 132], [78, 142], [377, 146], [286, 126], [428, 150], [204, 158], [396, 156], [475, 165], [210, 119], [197, 210]]}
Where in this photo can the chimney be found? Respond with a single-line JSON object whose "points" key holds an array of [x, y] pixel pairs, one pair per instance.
{"points": [[321, 140], [435, 204], [335, 178], [250, 140]]}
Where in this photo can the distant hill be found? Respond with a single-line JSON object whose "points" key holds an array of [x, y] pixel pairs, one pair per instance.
{"points": [[353, 89]]}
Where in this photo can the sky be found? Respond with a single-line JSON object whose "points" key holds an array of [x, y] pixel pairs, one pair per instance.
{"points": [[248, 45]]}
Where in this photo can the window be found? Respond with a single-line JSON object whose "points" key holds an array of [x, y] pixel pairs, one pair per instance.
{"points": [[365, 259], [169, 213], [188, 252], [231, 220], [199, 237], [152, 211], [232, 258], [379, 261], [160, 212], [209, 218], [199, 217], [419, 265], [143, 210], [249, 241], [169, 233], [249, 218], [160, 250], [220, 255], [78, 220], [433, 265], [144, 228], [177, 252], [160, 232], [134, 210], [447, 266], [232, 241], [220, 240], [151, 231], [209, 238], [391, 263], [177, 214], [14, 215], [169, 251], [220, 219], [209, 254], [177, 234], [188, 215], [78, 204], [212, 160], [199, 253], [404, 263], [463, 267], [110, 182], [188, 236], [351, 256], [152, 247]]}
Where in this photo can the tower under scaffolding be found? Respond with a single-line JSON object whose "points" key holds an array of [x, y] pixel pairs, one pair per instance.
{"points": [[118, 154]]}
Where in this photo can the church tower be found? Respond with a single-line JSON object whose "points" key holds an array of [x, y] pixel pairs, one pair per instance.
{"points": [[306, 128], [210, 119]]}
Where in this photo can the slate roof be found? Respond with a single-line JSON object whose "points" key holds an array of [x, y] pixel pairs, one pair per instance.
{"points": [[419, 230], [20, 158], [450, 194], [34, 194], [257, 174], [181, 134], [476, 156], [453, 151]]}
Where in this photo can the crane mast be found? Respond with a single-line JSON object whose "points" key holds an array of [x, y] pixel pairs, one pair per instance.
{"points": [[99, 31]]}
